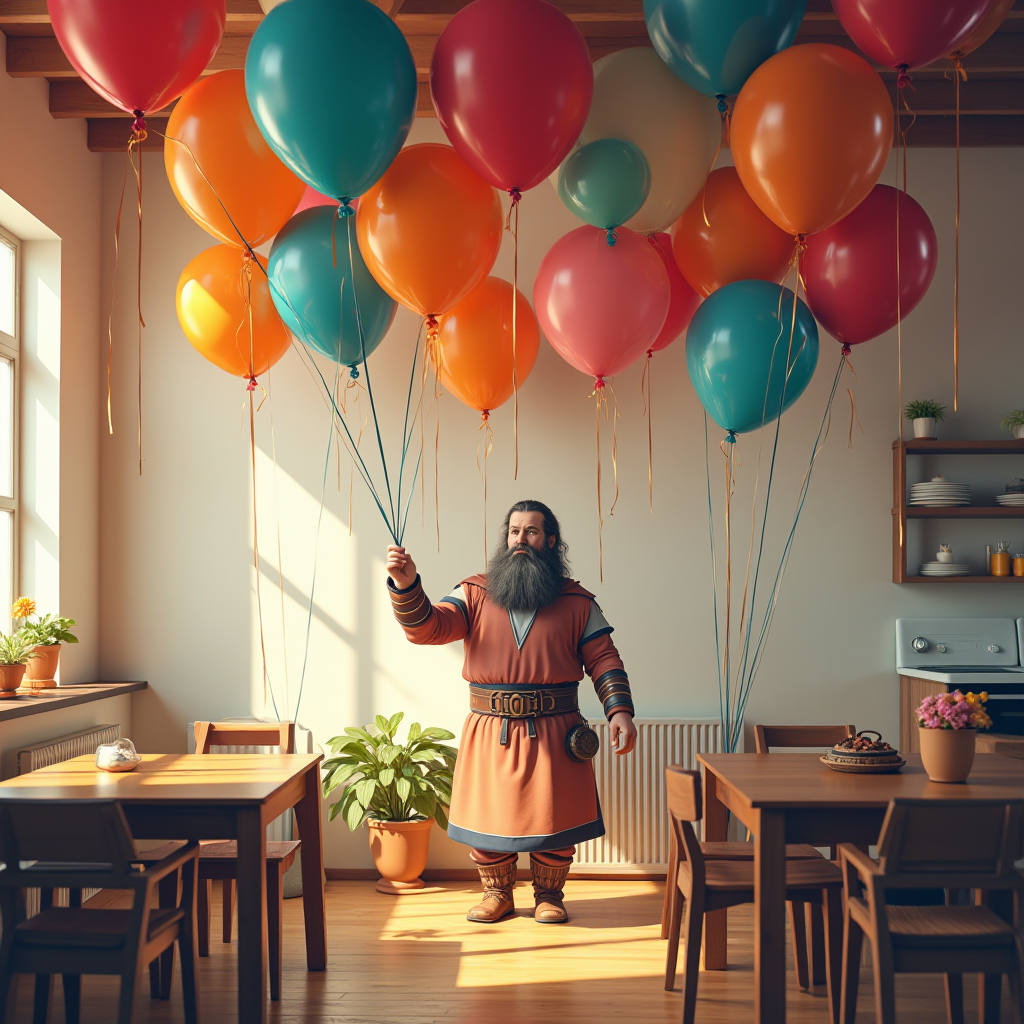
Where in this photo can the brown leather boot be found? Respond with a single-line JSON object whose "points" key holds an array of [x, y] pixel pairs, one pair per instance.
{"points": [[498, 880], [547, 893]]}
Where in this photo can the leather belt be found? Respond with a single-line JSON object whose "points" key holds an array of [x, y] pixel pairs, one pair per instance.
{"points": [[521, 702]]}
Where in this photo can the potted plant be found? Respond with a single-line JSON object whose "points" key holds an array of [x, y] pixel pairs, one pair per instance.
{"points": [[45, 636], [1013, 423], [15, 654], [399, 790], [948, 725], [925, 413]]}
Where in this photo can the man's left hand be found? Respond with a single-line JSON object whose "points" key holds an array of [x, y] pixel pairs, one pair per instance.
{"points": [[623, 732]]}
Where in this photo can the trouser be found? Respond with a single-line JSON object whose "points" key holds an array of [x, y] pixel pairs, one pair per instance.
{"points": [[550, 858]]}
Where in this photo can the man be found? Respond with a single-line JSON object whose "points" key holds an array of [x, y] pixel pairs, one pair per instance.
{"points": [[530, 632]]}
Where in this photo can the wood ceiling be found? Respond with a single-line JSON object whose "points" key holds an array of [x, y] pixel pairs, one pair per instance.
{"points": [[991, 100]]}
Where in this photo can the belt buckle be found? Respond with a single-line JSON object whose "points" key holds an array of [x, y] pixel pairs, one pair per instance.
{"points": [[523, 704]]}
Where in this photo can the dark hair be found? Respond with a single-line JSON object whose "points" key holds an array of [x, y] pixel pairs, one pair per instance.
{"points": [[551, 526]]}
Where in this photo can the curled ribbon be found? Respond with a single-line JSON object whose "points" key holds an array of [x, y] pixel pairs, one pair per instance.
{"points": [[512, 225]]}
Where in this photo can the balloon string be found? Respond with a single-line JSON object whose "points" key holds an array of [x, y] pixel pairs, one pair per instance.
{"points": [[728, 447], [645, 393], [615, 445], [138, 137], [600, 400], [958, 73], [487, 443], [434, 352], [280, 560], [899, 321], [723, 140], [512, 224]]}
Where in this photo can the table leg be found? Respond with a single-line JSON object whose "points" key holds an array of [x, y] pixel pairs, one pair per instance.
{"points": [[990, 986], [314, 907], [168, 890], [770, 918], [252, 916], [716, 830]]}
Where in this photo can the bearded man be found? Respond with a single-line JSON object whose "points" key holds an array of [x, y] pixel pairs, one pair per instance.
{"points": [[522, 782]]}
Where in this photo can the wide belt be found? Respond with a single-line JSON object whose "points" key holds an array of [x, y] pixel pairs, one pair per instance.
{"points": [[515, 701]]}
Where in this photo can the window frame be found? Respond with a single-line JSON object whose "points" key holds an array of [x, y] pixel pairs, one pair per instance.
{"points": [[10, 348]]}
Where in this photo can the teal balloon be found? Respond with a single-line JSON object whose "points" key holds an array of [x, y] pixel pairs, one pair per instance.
{"points": [[605, 182], [736, 348], [315, 298], [332, 86], [714, 46]]}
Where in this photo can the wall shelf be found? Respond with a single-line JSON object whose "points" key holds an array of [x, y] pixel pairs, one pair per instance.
{"points": [[901, 512]]}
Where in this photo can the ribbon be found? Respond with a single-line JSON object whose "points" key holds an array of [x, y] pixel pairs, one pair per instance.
{"points": [[487, 443], [645, 393], [512, 225], [723, 140], [601, 387], [958, 74], [280, 560], [434, 352]]}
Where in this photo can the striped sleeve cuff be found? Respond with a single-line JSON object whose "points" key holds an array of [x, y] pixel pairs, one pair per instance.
{"points": [[411, 606], [614, 693]]}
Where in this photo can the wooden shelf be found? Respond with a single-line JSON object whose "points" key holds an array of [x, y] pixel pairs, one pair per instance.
{"points": [[962, 579], [919, 446], [962, 512]]}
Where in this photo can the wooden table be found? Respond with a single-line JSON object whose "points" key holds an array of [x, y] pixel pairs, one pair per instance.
{"points": [[215, 796], [794, 798]]}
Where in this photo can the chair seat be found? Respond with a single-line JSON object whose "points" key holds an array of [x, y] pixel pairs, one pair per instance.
{"points": [[88, 929], [745, 851], [738, 875], [276, 851], [942, 927]]}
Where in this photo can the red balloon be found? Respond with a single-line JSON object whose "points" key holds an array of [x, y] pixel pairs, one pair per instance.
{"points": [[139, 55], [511, 82], [684, 301], [849, 270], [909, 32]]}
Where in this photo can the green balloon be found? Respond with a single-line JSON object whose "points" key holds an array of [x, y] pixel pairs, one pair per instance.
{"points": [[605, 183]]}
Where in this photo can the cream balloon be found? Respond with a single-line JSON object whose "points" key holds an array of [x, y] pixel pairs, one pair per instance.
{"points": [[638, 99]]}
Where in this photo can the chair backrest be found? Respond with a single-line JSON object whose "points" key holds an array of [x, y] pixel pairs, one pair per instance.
{"points": [[245, 734], [85, 834], [768, 736], [685, 806], [973, 842]]}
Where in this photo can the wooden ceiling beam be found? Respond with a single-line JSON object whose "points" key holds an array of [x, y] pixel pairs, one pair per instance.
{"points": [[30, 17]]}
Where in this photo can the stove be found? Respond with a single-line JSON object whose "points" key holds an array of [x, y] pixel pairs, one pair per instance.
{"points": [[969, 654]]}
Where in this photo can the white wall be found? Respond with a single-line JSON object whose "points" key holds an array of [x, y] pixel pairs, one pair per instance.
{"points": [[177, 583]]}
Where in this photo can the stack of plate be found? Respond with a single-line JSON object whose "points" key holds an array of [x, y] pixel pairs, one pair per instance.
{"points": [[945, 569], [940, 492], [1010, 500]]}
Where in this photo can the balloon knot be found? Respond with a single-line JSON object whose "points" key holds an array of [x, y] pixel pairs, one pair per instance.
{"points": [[902, 78], [485, 415], [252, 385], [344, 209], [353, 371], [846, 349], [139, 126], [723, 103], [609, 235], [431, 320], [515, 194], [599, 383], [650, 353], [730, 437]]}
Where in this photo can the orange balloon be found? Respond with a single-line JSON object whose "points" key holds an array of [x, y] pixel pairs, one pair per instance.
{"points": [[213, 120], [989, 23], [475, 345], [430, 229], [723, 237], [213, 313], [811, 131]]}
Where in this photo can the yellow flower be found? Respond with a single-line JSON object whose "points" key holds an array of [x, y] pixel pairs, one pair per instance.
{"points": [[23, 608]]}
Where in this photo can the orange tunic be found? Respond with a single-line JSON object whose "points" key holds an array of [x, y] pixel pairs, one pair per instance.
{"points": [[528, 794]]}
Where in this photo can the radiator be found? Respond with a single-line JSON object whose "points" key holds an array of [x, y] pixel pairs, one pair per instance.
{"points": [[632, 791]]}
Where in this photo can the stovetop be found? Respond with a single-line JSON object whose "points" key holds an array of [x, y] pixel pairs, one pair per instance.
{"points": [[970, 652]]}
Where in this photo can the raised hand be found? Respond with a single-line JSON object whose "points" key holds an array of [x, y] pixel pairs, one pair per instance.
{"points": [[400, 566]]}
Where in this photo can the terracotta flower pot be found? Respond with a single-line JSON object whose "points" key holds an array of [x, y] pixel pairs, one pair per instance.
{"points": [[41, 670], [399, 850], [10, 677], [947, 754]]}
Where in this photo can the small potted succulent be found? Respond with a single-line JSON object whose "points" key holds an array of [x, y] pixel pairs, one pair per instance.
{"points": [[1013, 423], [925, 413], [948, 725], [15, 654], [399, 790], [44, 636]]}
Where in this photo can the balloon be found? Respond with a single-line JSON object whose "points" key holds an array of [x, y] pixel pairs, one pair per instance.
{"points": [[736, 352], [475, 345], [332, 86], [601, 307], [605, 182], [723, 237], [311, 198], [430, 229], [638, 99], [849, 271], [511, 82], [715, 47], [226, 151], [984, 28], [138, 56], [684, 300], [311, 285], [909, 33], [213, 314], [811, 132]]}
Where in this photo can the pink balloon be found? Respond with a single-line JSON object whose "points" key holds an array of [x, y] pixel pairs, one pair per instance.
{"points": [[684, 300], [601, 306], [311, 198], [511, 82], [849, 270]]}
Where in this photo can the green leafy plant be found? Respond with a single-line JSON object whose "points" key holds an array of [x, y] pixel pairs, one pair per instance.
{"points": [[1011, 420], [389, 781], [15, 649], [50, 629], [925, 409]]}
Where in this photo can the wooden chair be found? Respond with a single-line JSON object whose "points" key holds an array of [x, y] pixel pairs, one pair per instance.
{"points": [[219, 860], [949, 844], [709, 885], [78, 844]]}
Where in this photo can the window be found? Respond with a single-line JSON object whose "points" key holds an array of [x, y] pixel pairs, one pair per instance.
{"points": [[9, 343]]}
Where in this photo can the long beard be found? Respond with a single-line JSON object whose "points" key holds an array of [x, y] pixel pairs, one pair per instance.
{"points": [[522, 578]]}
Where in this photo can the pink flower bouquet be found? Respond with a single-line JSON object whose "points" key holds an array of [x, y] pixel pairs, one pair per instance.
{"points": [[954, 710]]}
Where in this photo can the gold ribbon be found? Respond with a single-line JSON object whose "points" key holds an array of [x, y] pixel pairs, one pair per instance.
{"points": [[512, 225], [487, 444], [645, 394], [958, 74]]}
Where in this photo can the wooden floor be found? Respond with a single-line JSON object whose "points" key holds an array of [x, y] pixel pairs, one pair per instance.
{"points": [[416, 960]]}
